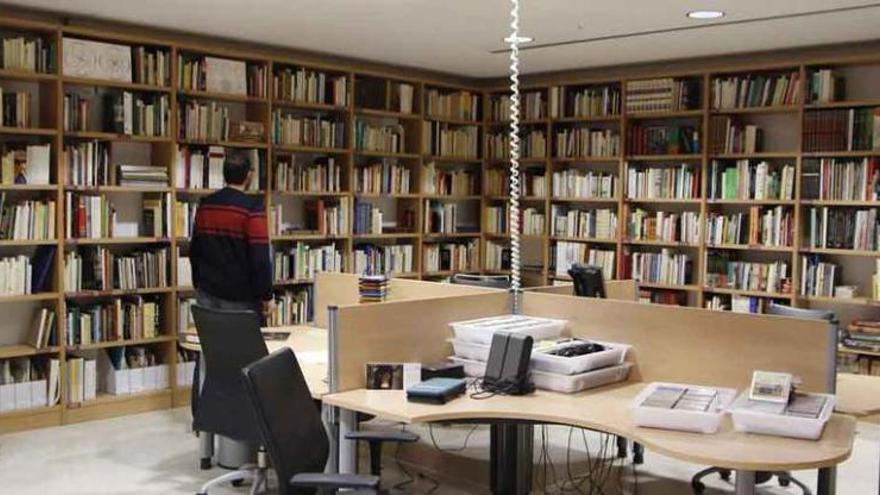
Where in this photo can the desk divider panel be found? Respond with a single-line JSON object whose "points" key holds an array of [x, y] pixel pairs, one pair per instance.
{"points": [[621, 290], [699, 346], [403, 331], [341, 289]]}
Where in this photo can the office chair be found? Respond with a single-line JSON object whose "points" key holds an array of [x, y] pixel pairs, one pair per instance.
{"points": [[292, 431], [230, 340], [783, 477], [488, 281]]}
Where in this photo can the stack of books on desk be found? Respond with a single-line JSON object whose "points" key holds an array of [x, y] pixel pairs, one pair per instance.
{"points": [[863, 335], [373, 288]]}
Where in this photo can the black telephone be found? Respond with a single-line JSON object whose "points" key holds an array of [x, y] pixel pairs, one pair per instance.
{"points": [[588, 280], [507, 370]]}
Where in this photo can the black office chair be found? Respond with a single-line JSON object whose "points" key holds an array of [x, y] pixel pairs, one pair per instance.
{"points": [[230, 340], [488, 281], [783, 477], [292, 431]]}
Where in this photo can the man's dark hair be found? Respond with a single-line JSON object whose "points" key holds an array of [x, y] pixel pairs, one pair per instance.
{"points": [[236, 168]]}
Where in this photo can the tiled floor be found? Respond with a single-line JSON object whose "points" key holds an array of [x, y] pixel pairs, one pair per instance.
{"points": [[153, 453]]}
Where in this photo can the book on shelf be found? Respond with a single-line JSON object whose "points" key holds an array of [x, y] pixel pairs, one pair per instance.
{"points": [[574, 183], [737, 303], [202, 168], [844, 180], [818, 278], [322, 216], [532, 222], [533, 106], [324, 174], [589, 223], [292, 307], [25, 164], [566, 254], [681, 182], [443, 218], [203, 121], [95, 268], [667, 297], [666, 267], [746, 180], [303, 261], [43, 331], [662, 95], [750, 91], [151, 66], [460, 105], [533, 182], [142, 176], [875, 281], [587, 102], [447, 140], [497, 218], [299, 130], [578, 142], [368, 218], [16, 275], [77, 110], [498, 256], [837, 228], [496, 182], [126, 370], [723, 270], [27, 219], [132, 318], [450, 181], [15, 109], [89, 217], [221, 75], [247, 131], [663, 140], [381, 138], [730, 136], [402, 97], [185, 217], [374, 259], [824, 86], [156, 218], [770, 226], [534, 144], [681, 227], [309, 86], [125, 113], [846, 129], [498, 146], [28, 383], [184, 270], [28, 54], [451, 256], [88, 164]]}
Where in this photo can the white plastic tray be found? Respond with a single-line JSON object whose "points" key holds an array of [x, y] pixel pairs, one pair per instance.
{"points": [[482, 329], [613, 354], [556, 382], [780, 424], [677, 419], [471, 350]]}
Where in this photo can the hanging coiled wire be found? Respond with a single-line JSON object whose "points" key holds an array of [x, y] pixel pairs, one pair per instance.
{"points": [[515, 262]]}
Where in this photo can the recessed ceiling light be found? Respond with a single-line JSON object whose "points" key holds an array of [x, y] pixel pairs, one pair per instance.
{"points": [[521, 39], [705, 14]]}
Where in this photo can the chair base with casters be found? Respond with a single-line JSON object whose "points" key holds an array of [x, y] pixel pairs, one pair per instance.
{"points": [[375, 440], [257, 474], [784, 478]]}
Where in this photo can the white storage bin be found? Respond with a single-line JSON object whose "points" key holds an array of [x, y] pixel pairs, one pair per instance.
{"points": [[471, 350], [781, 425], [482, 329], [679, 419], [471, 368], [163, 380], [570, 384], [117, 382], [7, 397], [136, 380], [39, 393], [23, 395], [613, 354]]}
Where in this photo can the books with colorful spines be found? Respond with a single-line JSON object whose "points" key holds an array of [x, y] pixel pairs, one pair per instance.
{"points": [[42, 329], [373, 288]]}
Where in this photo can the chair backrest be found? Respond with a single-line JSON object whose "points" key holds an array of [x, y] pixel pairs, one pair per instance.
{"points": [[587, 279], [816, 314], [230, 340], [289, 421], [488, 281]]}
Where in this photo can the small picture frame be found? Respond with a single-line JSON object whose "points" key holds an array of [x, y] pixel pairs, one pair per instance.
{"points": [[768, 386], [393, 376]]}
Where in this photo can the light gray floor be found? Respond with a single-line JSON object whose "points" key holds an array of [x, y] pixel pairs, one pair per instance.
{"points": [[153, 453]]}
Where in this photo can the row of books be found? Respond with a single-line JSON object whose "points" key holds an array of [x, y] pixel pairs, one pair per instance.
{"points": [[29, 382], [666, 267], [368, 218], [25, 163], [459, 105], [376, 259], [498, 146], [497, 218], [533, 106], [28, 54], [825, 86], [451, 141], [737, 303], [762, 227], [667, 297], [89, 217], [16, 275], [664, 226], [15, 109], [682, 182], [142, 176], [726, 273], [589, 224], [818, 278], [584, 102], [663, 140], [32, 220], [125, 113], [843, 229], [150, 66], [449, 182], [185, 218], [317, 132], [308, 86], [198, 168], [497, 256], [322, 175], [533, 183], [390, 138], [729, 136], [44, 329], [441, 218], [451, 256], [97, 268], [77, 109], [389, 178], [747, 180], [303, 261], [847, 180], [852, 129], [121, 319], [532, 221], [497, 183], [566, 254], [755, 91], [88, 164], [574, 183], [533, 144], [291, 308], [200, 121], [219, 75], [580, 142], [662, 95], [184, 269], [322, 216]]}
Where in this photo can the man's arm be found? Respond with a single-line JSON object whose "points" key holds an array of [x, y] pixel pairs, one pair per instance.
{"points": [[261, 263]]}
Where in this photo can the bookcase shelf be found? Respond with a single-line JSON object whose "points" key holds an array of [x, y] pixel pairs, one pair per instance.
{"points": [[117, 240], [573, 199], [403, 235], [665, 115], [840, 154], [122, 343], [97, 294], [209, 95], [588, 159], [386, 154], [294, 148], [675, 244], [591, 240], [13, 351], [21, 75], [783, 109], [751, 202], [873, 102], [305, 105], [585, 120], [83, 81], [28, 131], [28, 187], [314, 194], [447, 120], [118, 189], [42, 296], [304, 237], [387, 114], [755, 156], [112, 136], [225, 144], [825, 202], [652, 285], [842, 252], [296, 281], [855, 301], [41, 242], [663, 201], [454, 159], [748, 247], [664, 158], [748, 293]]}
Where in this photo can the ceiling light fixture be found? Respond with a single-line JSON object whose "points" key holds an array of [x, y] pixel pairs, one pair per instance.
{"points": [[705, 14]]}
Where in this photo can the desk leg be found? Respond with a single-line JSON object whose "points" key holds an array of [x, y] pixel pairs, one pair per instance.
{"points": [[827, 482], [510, 452], [328, 417], [347, 448], [745, 482]]}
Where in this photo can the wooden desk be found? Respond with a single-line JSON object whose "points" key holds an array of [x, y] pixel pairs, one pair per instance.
{"points": [[858, 395], [607, 409]]}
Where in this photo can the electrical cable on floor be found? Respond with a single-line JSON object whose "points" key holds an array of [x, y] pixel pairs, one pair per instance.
{"points": [[409, 478], [467, 439]]}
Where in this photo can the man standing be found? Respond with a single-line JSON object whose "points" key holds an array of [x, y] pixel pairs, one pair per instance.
{"points": [[230, 245]]}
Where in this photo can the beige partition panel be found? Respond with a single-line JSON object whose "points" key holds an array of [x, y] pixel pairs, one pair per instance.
{"points": [[341, 289], [694, 345], [621, 290], [404, 331]]}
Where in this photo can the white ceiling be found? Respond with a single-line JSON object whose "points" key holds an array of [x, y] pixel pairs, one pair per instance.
{"points": [[456, 36]]}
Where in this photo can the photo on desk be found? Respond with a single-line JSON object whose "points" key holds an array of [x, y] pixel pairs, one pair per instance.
{"points": [[385, 376]]}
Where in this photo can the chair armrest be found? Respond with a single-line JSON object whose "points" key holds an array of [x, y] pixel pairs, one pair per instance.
{"points": [[334, 481], [383, 436]]}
